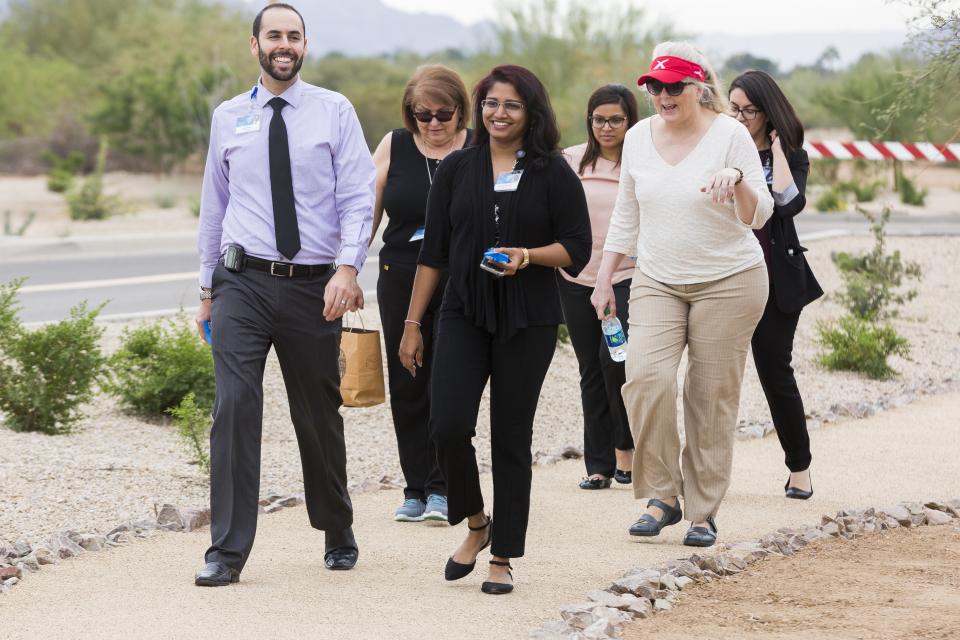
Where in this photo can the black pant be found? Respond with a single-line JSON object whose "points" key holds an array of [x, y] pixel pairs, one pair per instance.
{"points": [[409, 396], [466, 356], [605, 424], [251, 312], [772, 347]]}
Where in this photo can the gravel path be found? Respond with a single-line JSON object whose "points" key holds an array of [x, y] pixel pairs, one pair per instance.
{"points": [[116, 466]]}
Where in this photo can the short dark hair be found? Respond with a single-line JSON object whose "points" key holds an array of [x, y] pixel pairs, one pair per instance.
{"points": [[275, 5], [607, 94], [542, 137], [764, 93]]}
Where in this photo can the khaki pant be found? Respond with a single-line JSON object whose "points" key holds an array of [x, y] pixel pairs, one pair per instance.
{"points": [[716, 321]]}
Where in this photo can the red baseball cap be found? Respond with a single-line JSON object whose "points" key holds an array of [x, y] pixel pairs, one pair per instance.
{"points": [[670, 69]]}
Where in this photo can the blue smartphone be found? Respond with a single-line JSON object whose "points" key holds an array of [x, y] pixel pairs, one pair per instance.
{"points": [[207, 333]]}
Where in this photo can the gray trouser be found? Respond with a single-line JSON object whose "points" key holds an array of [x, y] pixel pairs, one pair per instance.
{"points": [[252, 311]]}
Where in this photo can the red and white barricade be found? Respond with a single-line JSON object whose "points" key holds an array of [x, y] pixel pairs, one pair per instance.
{"points": [[907, 151]]}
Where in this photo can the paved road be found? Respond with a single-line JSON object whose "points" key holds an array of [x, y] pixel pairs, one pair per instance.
{"points": [[152, 275]]}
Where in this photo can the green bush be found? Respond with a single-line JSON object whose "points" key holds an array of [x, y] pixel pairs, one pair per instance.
{"points": [[166, 200], [158, 364], [856, 344], [872, 280], [62, 170], [862, 191], [831, 200], [46, 373], [193, 427], [91, 202], [909, 193], [563, 334], [195, 206], [824, 171]]}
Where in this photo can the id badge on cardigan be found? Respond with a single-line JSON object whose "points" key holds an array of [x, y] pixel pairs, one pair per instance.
{"points": [[508, 181]]}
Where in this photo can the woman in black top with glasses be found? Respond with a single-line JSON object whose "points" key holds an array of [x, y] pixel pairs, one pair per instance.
{"points": [[435, 108], [759, 104], [512, 191]]}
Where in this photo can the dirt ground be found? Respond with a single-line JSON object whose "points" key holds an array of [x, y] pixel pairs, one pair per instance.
{"points": [[903, 583]]}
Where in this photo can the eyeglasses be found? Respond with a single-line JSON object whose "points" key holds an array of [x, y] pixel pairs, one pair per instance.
{"points": [[748, 113], [444, 115], [673, 89], [615, 122], [512, 106]]}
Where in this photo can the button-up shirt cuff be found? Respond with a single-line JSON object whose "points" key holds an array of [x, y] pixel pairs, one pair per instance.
{"points": [[206, 276], [791, 192], [352, 257]]}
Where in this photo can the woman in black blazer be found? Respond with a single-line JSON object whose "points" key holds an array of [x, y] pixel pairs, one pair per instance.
{"points": [[759, 104]]}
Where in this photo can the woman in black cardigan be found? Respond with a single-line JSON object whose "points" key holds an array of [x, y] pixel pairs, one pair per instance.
{"points": [[758, 103], [502, 328]]}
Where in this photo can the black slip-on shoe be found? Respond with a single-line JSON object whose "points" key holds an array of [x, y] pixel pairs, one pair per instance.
{"points": [[702, 536], [623, 477], [595, 483], [341, 558], [647, 525], [216, 574], [795, 493]]}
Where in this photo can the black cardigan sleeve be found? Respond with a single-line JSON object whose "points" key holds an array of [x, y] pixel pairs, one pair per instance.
{"points": [[571, 218], [799, 165], [435, 248]]}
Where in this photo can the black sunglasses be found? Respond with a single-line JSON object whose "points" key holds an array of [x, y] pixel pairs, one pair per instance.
{"points": [[673, 89], [444, 115]]}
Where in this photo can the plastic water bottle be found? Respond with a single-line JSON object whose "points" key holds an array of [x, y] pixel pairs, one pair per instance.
{"points": [[616, 340]]}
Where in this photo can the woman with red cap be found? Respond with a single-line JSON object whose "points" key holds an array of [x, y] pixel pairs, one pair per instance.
{"points": [[691, 192]]}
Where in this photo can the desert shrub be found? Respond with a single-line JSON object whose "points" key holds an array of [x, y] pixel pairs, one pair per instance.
{"points": [[831, 200], [158, 364], [857, 344], [861, 190], [909, 193], [193, 427], [824, 171], [8, 226], [873, 280], [90, 201], [46, 373], [166, 200], [563, 334], [63, 169], [195, 206]]}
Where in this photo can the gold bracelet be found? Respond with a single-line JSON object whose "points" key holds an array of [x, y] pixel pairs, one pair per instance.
{"points": [[526, 257]]}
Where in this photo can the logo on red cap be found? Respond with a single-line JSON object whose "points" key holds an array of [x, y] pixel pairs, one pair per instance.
{"points": [[672, 69]]}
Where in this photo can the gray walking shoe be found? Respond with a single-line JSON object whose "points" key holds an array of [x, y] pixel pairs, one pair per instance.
{"points": [[436, 509], [410, 511]]}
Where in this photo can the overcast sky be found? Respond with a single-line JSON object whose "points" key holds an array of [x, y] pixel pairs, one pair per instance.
{"points": [[713, 16]]}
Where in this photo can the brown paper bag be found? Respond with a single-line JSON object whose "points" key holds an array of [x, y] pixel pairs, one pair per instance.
{"points": [[361, 367]]}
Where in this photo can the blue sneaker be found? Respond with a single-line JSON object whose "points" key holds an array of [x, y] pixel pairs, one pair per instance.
{"points": [[436, 509], [410, 511]]}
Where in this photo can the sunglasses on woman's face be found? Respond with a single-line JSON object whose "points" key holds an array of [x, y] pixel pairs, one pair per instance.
{"points": [[673, 89], [444, 115]]}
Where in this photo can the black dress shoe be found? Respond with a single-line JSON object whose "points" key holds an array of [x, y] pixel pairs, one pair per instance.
{"points": [[623, 477], [797, 494], [498, 588], [456, 570], [701, 536], [216, 574], [595, 483], [341, 558], [647, 525]]}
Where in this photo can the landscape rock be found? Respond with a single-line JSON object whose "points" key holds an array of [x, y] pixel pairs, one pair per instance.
{"points": [[572, 452], [935, 517], [193, 519], [10, 572], [9, 582], [273, 508], [600, 630], [642, 608], [289, 501], [30, 562], [555, 630], [91, 542], [662, 604], [682, 582], [169, 516], [44, 556], [65, 546], [951, 507], [613, 600], [579, 616]]}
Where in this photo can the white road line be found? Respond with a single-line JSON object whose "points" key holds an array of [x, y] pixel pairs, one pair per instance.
{"points": [[111, 282], [823, 235]]}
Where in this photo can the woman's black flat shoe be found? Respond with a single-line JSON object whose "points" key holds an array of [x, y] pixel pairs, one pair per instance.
{"points": [[595, 483], [498, 588], [623, 477], [702, 536], [455, 570], [797, 494], [647, 525]]}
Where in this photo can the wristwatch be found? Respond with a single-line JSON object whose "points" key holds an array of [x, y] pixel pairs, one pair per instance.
{"points": [[206, 293], [526, 258]]}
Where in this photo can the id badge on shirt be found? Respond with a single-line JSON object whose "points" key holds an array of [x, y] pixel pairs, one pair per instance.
{"points": [[248, 123], [508, 181], [418, 234]]}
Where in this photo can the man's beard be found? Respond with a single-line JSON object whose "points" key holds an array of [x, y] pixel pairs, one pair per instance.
{"points": [[267, 65]]}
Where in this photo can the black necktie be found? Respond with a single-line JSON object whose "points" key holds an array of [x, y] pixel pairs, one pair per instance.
{"points": [[281, 184]]}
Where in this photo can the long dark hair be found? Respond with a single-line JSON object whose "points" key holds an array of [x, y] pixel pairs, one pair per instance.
{"points": [[764, 93], [607, 94], [542, 137]]}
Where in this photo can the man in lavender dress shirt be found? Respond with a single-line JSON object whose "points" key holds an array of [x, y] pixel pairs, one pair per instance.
{"points": [[304, 244]]}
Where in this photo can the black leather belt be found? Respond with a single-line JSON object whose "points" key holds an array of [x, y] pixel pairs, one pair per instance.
{"points": [[286, 269]]}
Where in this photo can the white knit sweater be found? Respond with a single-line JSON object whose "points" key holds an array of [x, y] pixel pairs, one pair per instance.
{"points": [[677, 233]]}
